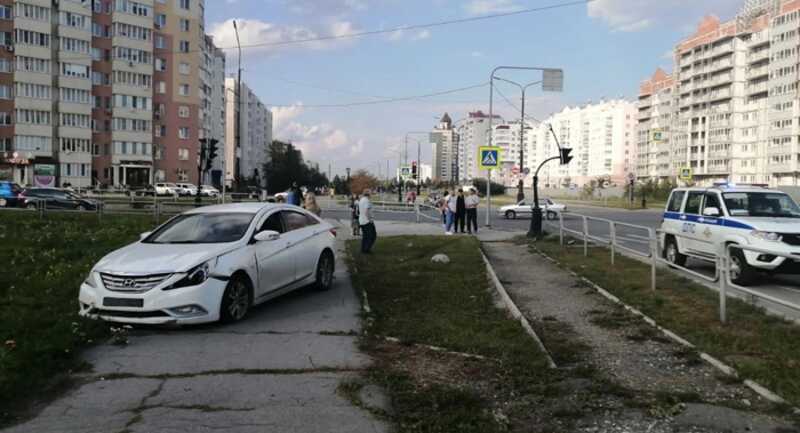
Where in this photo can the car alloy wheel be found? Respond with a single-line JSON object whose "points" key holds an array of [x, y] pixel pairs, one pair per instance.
{"points": [[325, 271], [236, 300], [736, 268], [672, 253], [511, 215]]}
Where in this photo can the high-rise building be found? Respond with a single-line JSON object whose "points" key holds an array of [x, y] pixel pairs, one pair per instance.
{"points": [[654, 151], [602, 137], [102, 92], [506, 136], [735, 106], [213, 105], [473, 132], [445, 142], [246, 158]]}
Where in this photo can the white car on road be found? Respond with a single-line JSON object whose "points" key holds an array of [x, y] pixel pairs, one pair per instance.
{"points": [[163, 188], [208, 191], [211, 263], [188, 189], [702, 222], [550, 209]]}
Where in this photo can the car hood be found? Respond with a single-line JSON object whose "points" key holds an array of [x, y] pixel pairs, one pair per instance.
{"points": [[141, 258], [778, 225]]}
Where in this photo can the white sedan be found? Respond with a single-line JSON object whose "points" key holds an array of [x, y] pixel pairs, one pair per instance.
{"points": [[211, 263], [549, 208]]}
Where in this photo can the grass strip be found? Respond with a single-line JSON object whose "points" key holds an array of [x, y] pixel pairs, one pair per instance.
{"points": [[44, 262], [447, 305], [760, 346]]}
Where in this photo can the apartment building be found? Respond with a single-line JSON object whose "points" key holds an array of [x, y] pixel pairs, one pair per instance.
{"points": [[735, 109], [246, 159], [602, 136], [445, 142], [473, 132], [506, 136], [654, 151], [102, 92], [212, 113]]}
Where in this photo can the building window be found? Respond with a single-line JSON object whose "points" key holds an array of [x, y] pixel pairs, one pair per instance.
{"points": [[185, 4], [6, 13], [183, 111], [184, 90], [5, 118], [183, 154], [161, 65], [184, 46], [161, 21], [184, 23], [160, 42], [162, 87], [183, 68], [183, 133]]}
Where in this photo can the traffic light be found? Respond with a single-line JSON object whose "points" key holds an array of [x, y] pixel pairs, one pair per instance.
{"points": [[565, 155], [211, 153], [414, 170]]}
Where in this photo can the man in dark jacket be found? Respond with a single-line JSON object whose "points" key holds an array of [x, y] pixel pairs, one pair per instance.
{"points": [[461, 211]]}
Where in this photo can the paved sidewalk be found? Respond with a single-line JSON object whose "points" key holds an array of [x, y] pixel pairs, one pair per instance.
{"points": [[276, 371], [401, 228]]}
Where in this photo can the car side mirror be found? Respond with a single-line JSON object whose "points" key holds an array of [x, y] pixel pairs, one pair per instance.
{"points": [[711, 212], [267, 235], [144, 235]]}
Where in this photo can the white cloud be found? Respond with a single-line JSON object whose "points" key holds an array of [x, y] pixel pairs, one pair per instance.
{"points": [[271, 36], [484, 7], [314, 139], [637, 15]]}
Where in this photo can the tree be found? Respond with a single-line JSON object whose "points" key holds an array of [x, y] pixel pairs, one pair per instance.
{"points": [[286, 166], [362, 180], [480, 185]]}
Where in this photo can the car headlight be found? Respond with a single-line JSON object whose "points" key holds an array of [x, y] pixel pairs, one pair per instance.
{"points": [[767, 236], [89, 281], [196, 276]]}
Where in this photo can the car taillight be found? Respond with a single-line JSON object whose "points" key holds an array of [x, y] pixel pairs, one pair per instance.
{"points": [[333, 232]]}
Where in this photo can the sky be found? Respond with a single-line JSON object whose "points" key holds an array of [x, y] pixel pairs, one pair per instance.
{"points": [[605, 47]]}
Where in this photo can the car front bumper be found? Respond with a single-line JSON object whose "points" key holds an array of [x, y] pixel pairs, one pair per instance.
{"points": [[769, 262], [158, 306]]}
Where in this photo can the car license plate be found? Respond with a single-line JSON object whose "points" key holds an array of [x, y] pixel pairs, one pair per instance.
{"points": [[123, 302]]}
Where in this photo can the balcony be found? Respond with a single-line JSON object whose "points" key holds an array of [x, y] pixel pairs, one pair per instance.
{"points": [[718, 169], [757, 72], [780, 150], [720, 154], [753, 89], [781, 167], [720, 64], [723, 48], [719, 138], [720, 94], [720, 79], [758, 56]]}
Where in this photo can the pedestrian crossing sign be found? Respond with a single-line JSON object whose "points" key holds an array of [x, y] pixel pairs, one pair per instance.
{"points": [[489, 157]]}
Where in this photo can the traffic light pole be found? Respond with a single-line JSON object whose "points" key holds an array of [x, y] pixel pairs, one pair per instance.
{"points": [[535, 230]]}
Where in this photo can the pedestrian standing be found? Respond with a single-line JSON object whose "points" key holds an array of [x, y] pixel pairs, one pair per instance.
{"points": [[472, 211], [311, 204], [452, 207], [293, 196], [461, 211], [354, 215], [442, 205], [367, 224]]}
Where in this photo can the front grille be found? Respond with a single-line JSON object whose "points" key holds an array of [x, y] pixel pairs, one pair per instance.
{"points": [[131, 283], [129, 314], [791, 238]]}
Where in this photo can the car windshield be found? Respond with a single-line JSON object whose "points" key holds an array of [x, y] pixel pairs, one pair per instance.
{"points": [[208, 228], [761, 204]]}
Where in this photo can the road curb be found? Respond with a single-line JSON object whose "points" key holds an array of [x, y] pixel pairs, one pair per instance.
{"points": [[515, 312], [714, 362]]}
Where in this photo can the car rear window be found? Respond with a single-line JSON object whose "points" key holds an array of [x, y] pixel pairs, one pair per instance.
{"points": [[675, 201]]}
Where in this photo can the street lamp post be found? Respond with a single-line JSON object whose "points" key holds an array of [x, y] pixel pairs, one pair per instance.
{"points": [[552, 80], [520, 187]]}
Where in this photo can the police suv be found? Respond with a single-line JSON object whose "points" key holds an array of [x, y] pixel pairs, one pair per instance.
{"points": [[701, 222]]}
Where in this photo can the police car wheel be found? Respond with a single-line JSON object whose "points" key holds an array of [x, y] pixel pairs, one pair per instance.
{"points": [[741, 273], [672, 254], [551, 215]]}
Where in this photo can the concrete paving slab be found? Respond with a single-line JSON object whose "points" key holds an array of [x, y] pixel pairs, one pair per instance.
{"points": [[191, 353], [97, 407]]}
